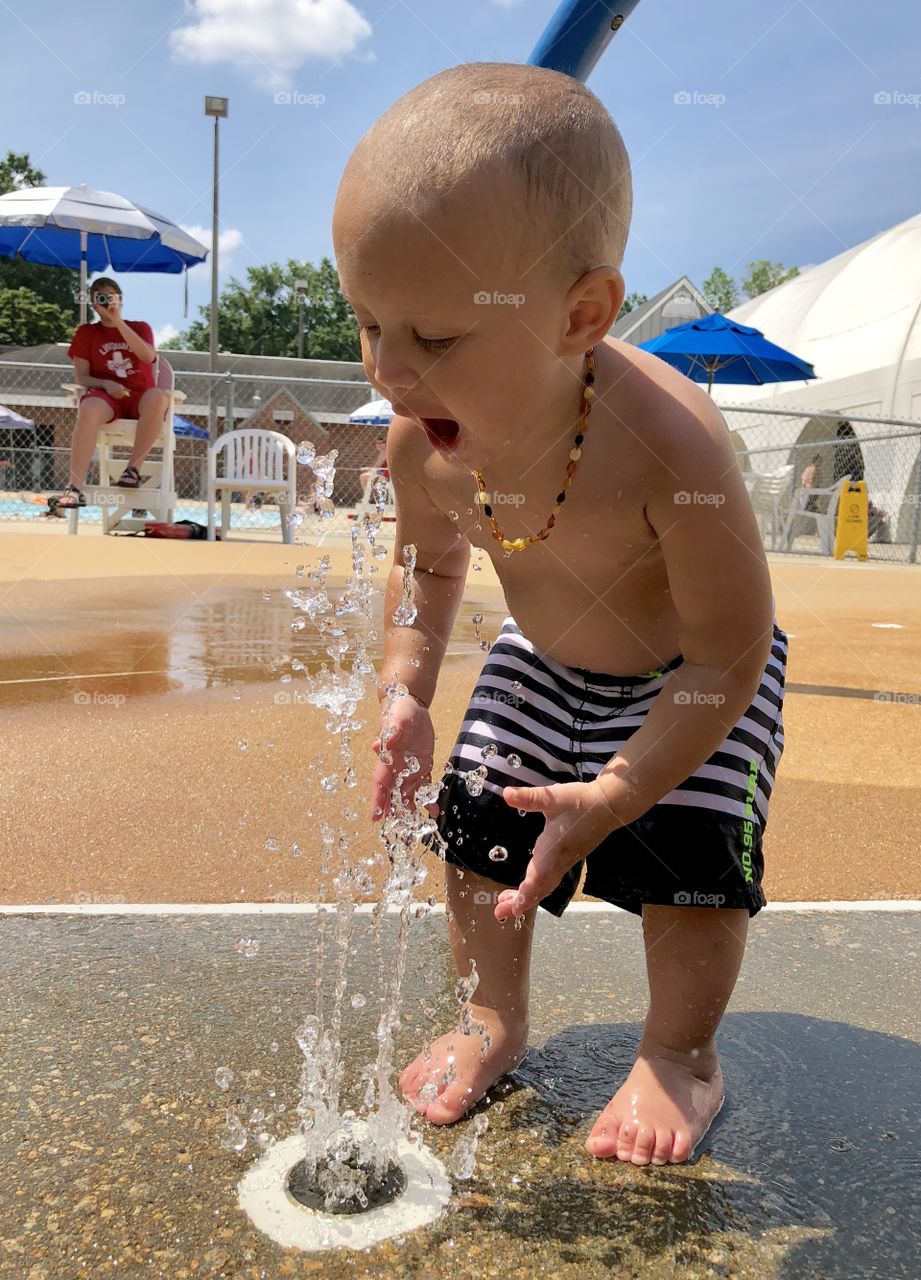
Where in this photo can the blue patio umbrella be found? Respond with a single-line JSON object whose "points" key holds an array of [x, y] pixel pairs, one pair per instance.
{"points": [[92, 230], [376, 413], [714, 348], [182, 427]]}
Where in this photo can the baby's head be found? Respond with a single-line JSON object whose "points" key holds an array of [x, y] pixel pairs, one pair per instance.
{"points": [[479, 230]]}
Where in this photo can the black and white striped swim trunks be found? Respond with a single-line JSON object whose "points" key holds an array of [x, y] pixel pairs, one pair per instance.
{"points": [[532, 721]]}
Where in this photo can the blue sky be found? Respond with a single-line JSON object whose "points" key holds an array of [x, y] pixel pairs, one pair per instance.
{"points": [[785, 150]]}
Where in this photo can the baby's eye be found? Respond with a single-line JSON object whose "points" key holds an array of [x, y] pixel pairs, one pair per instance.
{"points": [[427, 344], [434, 344]]}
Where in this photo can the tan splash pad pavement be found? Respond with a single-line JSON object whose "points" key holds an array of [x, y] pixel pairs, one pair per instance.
{"points": [[153, 753]]}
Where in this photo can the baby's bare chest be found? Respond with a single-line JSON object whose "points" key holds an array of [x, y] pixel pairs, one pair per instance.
{"points": [[596, 588]]}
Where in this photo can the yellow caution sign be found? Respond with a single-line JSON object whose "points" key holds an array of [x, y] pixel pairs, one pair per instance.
{"points": [[851, 524]]}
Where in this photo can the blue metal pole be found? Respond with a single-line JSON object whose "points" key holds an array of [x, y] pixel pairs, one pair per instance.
{"points": [[578, 34]]}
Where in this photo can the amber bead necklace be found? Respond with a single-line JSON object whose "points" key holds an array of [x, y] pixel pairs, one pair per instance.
{"points": [[484, 497]]}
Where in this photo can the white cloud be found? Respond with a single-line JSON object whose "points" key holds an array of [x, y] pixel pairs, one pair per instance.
{"points": [[229, 239], [164, 334], [269, 39]]}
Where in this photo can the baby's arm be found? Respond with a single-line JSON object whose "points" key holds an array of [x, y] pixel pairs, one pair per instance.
{"points": [[721, 590], [413, 654]]}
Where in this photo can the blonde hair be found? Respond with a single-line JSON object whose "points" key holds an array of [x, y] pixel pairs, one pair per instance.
{"points": [[543, 128]]}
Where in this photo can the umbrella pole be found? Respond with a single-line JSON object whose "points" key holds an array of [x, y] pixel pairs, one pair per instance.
{"points": [[83, 277]]}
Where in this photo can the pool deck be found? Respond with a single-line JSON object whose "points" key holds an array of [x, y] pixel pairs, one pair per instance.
{"points": [[127, 664]]}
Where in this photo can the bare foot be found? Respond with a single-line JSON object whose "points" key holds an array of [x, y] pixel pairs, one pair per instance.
{"points": [[662, 1109], [458, 1072]]}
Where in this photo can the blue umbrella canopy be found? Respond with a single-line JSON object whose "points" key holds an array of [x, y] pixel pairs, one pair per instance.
{"points": [[376, 413], [182, 427], [92, 230], [714, 348]]}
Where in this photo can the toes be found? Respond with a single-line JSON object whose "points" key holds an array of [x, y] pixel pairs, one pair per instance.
{"points": [[602, 1141], [682, 1146], [451, 1105], [662, 1151], [643, 1144], [626, 1139]]}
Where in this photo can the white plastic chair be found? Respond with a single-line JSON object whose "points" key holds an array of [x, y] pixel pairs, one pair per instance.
{"points": [[158, 495], [768, 491], [253, 459], [824, 520]]}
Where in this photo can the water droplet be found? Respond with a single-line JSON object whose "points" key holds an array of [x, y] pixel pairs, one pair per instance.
{"points": [[498, 854], [513, 761], [306, 452], [358, 1000], [452, 515], [516, 684], [274, 1046], [267, 595], [248, 946], [241, 746], [489, 751], [236, 695], [294, 519], [223, 1077], [273, 844], [298, 624], [330, 783]]}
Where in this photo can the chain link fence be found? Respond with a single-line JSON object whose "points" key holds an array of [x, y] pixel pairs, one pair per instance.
{"points": [[792, 459], [34, 459]]}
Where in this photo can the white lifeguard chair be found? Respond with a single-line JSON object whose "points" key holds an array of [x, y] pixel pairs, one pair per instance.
{"points": [[158, 495]]}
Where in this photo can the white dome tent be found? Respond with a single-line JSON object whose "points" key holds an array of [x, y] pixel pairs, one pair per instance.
{"points": [[857, 319]]}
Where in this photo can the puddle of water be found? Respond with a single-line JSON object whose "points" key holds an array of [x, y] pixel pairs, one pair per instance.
{"points": [[155, 641]]}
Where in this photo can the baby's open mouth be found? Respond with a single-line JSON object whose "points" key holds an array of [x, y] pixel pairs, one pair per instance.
{"points": [[442, 432]]}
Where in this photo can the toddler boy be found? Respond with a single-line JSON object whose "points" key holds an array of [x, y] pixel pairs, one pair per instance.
{"points": [[629, 715]]}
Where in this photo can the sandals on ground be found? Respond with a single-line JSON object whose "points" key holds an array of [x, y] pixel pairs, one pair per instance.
{"points": [[130, 479]]}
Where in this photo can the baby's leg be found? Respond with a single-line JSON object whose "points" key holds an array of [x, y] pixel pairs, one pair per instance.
{"points": [[666, 1104], [460, 1068]]}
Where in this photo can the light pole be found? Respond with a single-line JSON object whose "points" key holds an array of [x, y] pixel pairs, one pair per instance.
{"points": [[301, 287], [216, 107]]}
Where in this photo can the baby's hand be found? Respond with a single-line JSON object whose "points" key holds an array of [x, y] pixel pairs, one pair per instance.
{"points": [[578, 817], [409, 732]]}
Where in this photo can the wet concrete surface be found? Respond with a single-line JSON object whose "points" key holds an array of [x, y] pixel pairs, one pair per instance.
{"points": [[112, 1029]]}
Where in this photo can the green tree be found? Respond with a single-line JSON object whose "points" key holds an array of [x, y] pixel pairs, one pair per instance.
{"points": [[259, 317], [764, 275], [54, 287], [26, 320], [631, 302], [721, 291]]}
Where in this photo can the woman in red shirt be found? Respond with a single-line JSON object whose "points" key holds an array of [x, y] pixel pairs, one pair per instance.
{"points": [[114, 359]]}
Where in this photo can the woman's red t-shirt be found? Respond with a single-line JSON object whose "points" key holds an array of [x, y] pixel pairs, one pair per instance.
{"points": [[111, 357]]}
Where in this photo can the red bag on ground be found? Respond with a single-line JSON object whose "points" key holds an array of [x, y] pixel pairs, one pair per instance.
{"points": [[181, 529]]}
